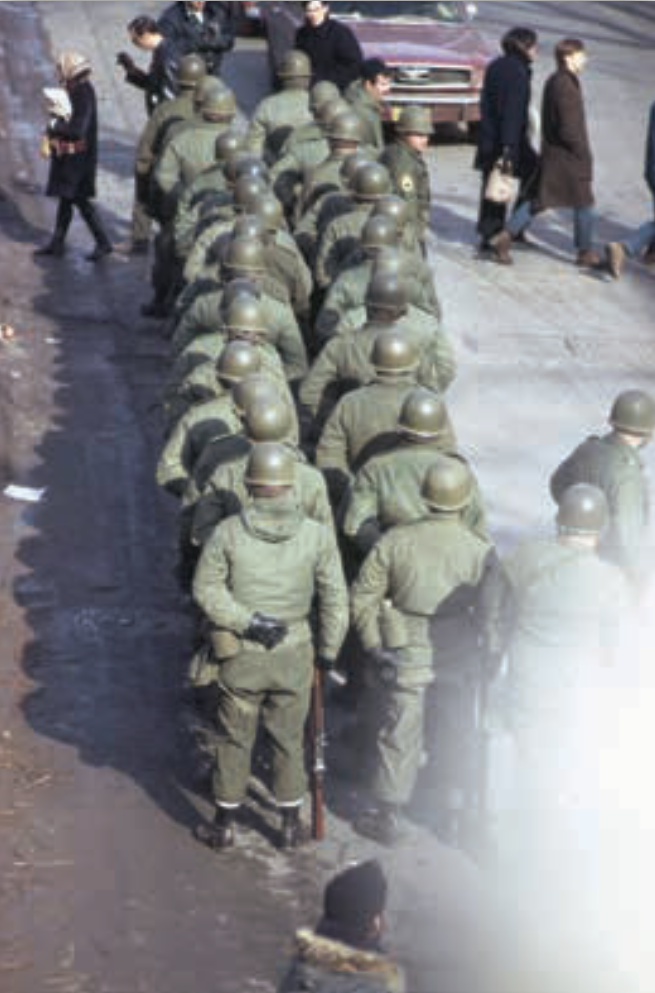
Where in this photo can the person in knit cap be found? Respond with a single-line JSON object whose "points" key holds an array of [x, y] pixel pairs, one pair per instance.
{"points": [[344, 953]]}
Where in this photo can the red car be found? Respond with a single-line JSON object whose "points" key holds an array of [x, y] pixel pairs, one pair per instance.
{"points": [[438, 57]]}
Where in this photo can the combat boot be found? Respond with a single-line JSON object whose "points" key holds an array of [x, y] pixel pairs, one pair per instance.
{"points": [[382, 824], [220, 834], [292, 834]]}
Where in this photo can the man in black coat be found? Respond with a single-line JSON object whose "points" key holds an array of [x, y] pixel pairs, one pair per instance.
{"points": [[200, 28], [160, 80], [503, 133], [73, 146], [333, 49]]}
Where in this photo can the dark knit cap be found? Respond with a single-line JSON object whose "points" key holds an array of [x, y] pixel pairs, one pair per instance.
{"points": [[356, 895]]}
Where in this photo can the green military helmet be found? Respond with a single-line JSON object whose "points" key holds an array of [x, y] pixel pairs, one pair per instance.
{"points": [[415, 120], [206, 87], [393, 353], [249, 226], [238, 287], [389, 260], [245, 314], [322, 94], [267, 420], [191, 71], [295, 65], [394, 207], [328, 111], [219, 105], [268, 209], [371, 182], [245, 257], [228, 144], [351, 165], [582, 510], [252, 390], [633, 412], [244, 165], [379, 233], [346, 128], [270, 464], [448, 486], [423, 415], [386, 293], [246, 191], [237, 361]]}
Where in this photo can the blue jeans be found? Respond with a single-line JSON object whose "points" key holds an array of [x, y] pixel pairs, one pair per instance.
{"points": [[642, 237], [584, 220]]}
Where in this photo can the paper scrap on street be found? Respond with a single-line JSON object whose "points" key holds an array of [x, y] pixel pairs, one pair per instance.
{"points": [[26, 493]]}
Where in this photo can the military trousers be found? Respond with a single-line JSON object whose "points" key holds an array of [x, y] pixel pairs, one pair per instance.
{"points": [[401, 735], [273, 687]]}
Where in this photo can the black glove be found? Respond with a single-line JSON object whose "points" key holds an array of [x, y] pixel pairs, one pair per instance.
{"points": [[386, 664], [125, 61], [266, 631]]}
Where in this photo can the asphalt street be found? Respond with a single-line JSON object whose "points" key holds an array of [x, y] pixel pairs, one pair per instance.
{"points": [[102, 886]]}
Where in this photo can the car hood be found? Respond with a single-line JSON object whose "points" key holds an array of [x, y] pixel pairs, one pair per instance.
{"points": [[398, 41]]}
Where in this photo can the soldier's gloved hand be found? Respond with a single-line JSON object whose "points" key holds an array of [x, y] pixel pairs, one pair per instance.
{"points": [[386, 664], [125, 61], [266, 631]]}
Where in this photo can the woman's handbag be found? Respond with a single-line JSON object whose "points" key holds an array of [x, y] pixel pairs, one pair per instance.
{"points": [[501, 186]]}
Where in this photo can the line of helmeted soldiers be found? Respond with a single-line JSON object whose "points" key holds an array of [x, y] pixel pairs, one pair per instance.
{"points": [[301, 310]]}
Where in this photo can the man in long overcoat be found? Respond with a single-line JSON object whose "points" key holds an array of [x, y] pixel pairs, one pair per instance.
{"points": [[566, 172]]}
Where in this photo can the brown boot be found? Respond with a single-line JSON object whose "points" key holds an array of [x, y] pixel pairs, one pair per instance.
{"points": [[501, 245], [588, 259], [615, 255]]}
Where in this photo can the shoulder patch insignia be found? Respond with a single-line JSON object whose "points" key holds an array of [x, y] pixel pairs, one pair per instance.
{"points": [[407, 184]]}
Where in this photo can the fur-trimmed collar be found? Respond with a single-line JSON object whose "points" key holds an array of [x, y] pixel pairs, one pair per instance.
{"points": [[334, 956]]}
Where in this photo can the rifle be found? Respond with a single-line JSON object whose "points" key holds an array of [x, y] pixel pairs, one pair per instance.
{"points": [[317, 725]]}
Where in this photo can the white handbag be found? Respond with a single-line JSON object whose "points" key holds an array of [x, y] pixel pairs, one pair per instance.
{"points": [[501, 188]]}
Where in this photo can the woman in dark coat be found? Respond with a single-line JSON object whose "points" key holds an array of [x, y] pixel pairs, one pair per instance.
{"points": [[566, 172], [73, 146], [503, 134]]}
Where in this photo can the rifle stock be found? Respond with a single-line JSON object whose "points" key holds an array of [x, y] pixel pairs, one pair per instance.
{"points": [[318, 758]]}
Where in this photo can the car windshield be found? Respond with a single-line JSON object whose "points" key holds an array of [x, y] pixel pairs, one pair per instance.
{"points": [[406, 10]]}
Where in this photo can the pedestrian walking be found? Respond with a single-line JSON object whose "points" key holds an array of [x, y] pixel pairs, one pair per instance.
{"points": [[201, 28], [345, 951], [566, 169], [644, 237], [504, 133], [159, 82], [333, 49], [72, 142]]}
